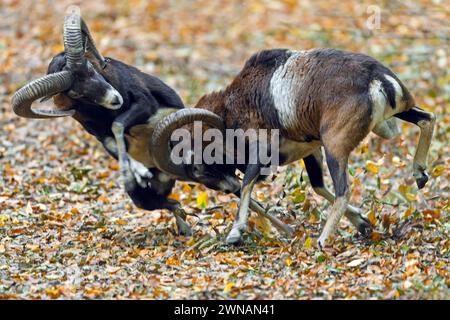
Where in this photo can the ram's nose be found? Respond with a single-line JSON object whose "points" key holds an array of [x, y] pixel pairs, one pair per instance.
{"points": [[112, 99], [231, 185], [116, 102]]}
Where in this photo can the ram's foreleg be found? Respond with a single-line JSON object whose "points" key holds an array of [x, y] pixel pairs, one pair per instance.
{"points": [[141, 173], [138, 113], [240, 225]]}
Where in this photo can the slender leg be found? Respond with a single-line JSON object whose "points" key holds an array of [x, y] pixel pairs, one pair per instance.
{"points": [[126, 176], [313, 165], [139, 112], [337, 164], [425, 121], [251, 175]]}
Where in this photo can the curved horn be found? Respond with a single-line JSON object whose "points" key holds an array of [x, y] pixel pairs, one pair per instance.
{"points": [[47, 85], [90, 44], [160, 143], [73, 41]]}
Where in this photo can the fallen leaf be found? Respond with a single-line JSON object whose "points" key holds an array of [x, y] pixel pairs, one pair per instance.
{"points": [[202, 200], [372, 167], [228, 287]]}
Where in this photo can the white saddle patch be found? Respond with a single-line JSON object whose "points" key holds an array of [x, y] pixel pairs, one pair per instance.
{"points": [[284, 87]]}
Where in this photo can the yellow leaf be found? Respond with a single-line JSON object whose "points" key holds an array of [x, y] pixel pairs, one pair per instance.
{"points": [[302, 163], [228, 287], [407, 213], [410, 196], [364, 148], [308, 243], [202, 200], [263, 225], [173, 261], [372, 218], [187, 188], [438, 170], [233, 205], [93, 291], [103, 198], [114, 166], [121, 222], [53, 293], [372, 167], [376, 236], [217, 215], [289, 261], [403, 188]]}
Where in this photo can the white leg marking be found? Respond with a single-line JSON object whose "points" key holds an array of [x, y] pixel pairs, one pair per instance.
{"points": [[338, 209], [353, 214], [141, 173], [240, 225]]}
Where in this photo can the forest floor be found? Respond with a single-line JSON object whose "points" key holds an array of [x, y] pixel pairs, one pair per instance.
{"points": [[68, 230]]}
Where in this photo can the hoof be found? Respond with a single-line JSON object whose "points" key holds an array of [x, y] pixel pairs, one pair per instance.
{"points": [[422, 180], [234, 237], [365, 227]]}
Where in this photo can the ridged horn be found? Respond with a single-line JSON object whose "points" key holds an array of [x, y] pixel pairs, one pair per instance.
{"points": [[160, 143], [73, 42], [48, 85]]}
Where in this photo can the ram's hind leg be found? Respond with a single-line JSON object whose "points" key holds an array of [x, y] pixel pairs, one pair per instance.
{"points": [[337, 164], [340, 133], [313, 165], [425, 121]]}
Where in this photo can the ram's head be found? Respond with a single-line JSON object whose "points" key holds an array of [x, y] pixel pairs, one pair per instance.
{"points": [[69, 73], [218, 176]]}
